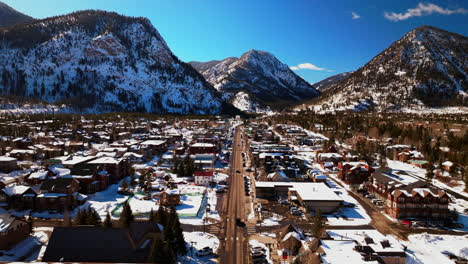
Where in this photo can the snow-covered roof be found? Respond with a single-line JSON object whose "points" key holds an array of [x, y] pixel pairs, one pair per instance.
{"points": [[317, 191], [6, 158], [15, 190]]}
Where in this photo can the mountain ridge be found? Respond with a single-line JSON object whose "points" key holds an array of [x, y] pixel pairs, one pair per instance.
{"points": [[424, 68], [116, 62]]}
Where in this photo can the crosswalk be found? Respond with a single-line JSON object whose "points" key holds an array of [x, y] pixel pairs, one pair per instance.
{"points": [[251, 230], [214, 229]]}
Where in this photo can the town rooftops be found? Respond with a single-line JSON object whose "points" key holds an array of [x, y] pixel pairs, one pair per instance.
{"points": [[6, 158], [5, 222], [317, 191], [105, 160], [153, 142], [202, 145], [73, 160]]}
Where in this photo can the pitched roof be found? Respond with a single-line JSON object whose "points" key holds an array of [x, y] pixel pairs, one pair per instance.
{"points": [[97, 244]]}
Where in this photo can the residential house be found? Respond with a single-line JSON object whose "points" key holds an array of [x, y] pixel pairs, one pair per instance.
{"points": [[12, 231], [118, 168], [8, 164], [59, 194], [202, 148], [414, 200], [18, 197], [203, 177], [169, 197], [354, 172]]}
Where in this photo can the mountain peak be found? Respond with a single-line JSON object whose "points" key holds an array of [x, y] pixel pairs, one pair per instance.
{"points": [[256, 80], [9, 16], [425, 67]]}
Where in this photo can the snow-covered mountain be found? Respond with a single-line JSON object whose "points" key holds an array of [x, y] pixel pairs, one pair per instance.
{"points": [[329, 82], [100, 61], [10, 17], [426, 68], [257, 79]]}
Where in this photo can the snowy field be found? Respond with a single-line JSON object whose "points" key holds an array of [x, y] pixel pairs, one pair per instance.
{"points": [[426, 248]]}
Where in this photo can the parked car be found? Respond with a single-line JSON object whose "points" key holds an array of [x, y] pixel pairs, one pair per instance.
{"points": [[204, 252], [258, 254]]}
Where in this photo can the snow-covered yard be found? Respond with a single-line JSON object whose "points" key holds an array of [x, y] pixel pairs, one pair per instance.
{"points": [[352, 213], [199, 240], [427, 248], [275, 219]]}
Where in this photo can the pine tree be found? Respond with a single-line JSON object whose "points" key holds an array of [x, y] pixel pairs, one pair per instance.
{"points": [[82, 217], [132, 179], [30, 223], [430, 173], [126, 217], [124, 184], [180, 244], [152, 216], [161, 216], [317, 224], [108, 221]]}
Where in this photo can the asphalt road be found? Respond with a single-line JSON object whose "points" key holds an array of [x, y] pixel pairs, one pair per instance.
{"points": [[235, 234]]}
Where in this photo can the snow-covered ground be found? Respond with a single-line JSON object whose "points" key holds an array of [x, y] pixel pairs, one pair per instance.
{"points": [[346, 215], [426, 248], [199, 240], [275, 219]]}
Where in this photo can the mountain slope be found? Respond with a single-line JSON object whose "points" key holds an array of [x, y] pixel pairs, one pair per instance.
{"points": [[100, 61], [325, 84], [257, 77], [10, 17], [425, 68]]}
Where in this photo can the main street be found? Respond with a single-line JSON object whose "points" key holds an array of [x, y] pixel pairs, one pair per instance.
{"points": [[235, 235]]}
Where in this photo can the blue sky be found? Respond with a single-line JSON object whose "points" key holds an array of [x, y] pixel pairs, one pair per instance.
{"points": [[325, 36]]}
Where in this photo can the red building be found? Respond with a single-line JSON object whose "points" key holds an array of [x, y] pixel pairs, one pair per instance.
{"points": [[415, 200], [202, 148], [354, 172]]}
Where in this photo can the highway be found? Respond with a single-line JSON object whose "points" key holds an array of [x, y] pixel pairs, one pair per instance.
{"points": [[235, 233]]}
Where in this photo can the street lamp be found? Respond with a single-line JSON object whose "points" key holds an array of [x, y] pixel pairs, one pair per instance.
{"points": [[207, 210], [191, 244]]}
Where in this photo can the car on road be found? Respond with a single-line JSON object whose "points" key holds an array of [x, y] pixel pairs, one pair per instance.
{"points": [[238, 171], [220, 191], [239, 222], [204, 252], [296, 212]]}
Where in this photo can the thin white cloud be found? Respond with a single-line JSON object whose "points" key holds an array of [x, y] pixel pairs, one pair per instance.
{"points": [[423, 10], [307, 66], [355, 15]]}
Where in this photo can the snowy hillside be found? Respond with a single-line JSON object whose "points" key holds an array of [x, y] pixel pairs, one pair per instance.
{"points": [[267, 81], [99, 61], [326, 84], [426, 68]]}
